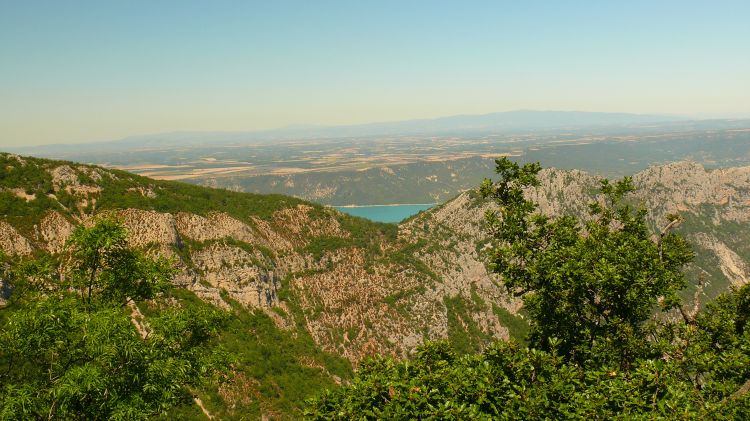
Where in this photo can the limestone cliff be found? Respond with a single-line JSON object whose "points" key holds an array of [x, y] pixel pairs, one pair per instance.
{"points": [[357, 287]]}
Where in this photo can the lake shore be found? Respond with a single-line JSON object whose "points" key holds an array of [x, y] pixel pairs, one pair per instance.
{"points": [[375, 206], [392, 213]]}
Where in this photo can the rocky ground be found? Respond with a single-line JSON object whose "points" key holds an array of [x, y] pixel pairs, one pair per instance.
{"points": [[359, 296]]}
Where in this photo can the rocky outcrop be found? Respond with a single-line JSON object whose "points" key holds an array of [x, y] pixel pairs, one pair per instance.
{"points": [[350, 313], [720, 196], [54, 230], [21, 193], [246, 277], [65, 178], [274, 239], [564, 192], [386, 296], [146, 192], [688, 187], [11, 242], [148, 227], [215, 227], [301, 224], [452, 235], [62, 176], [736, 270]]}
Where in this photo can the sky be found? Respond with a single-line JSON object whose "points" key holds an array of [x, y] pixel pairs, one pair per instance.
{"points": [[81, 71]]}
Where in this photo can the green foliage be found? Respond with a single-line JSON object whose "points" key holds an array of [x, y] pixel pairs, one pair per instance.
{"points": [[367, 234], [318, 246], [508, 382], [518, 328], [120, 192], [69, 347], [590, 291], [715, 349], [106, 269], [285, 367], [61, 360], [406, 257], [704, 374], [463, 332], [591, 286], [16, 175], [272, 371], [123, 190]]}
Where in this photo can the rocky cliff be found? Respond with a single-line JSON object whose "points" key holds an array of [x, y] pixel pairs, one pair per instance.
{"points": [[715, 205], [357, 287]]}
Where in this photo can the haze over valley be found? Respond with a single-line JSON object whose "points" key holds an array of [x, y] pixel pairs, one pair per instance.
{"points": [[435, 161]]}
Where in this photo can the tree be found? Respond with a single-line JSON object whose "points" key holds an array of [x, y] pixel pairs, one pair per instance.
{"points": [[71, 348], [589, 287], [105, 271], [705, 377]]}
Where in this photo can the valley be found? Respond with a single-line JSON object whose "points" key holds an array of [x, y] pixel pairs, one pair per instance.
{"points": [[383, 210], [355, 166], [337, 288]]}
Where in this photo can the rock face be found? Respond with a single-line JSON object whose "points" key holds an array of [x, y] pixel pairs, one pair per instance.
{"points": [[54, 231], [149, 227], [11, 242], [215, 227], [734, 267], [716, 208], [714, 203], [354, 320], [721, 198], [688, 187], [214, 267], [62, 176], [356, 290], [244, 276], [449, 235]]}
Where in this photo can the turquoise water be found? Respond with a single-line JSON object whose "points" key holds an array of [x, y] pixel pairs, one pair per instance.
{"points": [[384, 213]]}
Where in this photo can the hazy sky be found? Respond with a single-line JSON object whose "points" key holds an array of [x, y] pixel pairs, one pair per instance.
{"points": [[73, 71]]}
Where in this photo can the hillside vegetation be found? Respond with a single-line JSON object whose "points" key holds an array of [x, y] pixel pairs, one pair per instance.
{"points": [[595, 348], [310, 292]]}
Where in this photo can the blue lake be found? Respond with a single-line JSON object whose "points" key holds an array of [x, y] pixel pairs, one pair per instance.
{"points": [[384, 213]]}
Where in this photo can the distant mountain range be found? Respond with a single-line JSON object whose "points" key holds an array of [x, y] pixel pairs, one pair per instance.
{"points": [[459, 124], [501, 121]]}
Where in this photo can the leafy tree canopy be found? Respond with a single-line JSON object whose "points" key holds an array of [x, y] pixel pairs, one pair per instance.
{"points": [[591, 289], [72, 344]]}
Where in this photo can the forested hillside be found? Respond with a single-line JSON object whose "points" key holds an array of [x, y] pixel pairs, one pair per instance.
{"points": [[601, 344], [311, 292]]}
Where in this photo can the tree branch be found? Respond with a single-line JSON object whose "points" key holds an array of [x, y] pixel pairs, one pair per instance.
{"points": [[689, 316], [673, 223], [741, 391]]}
